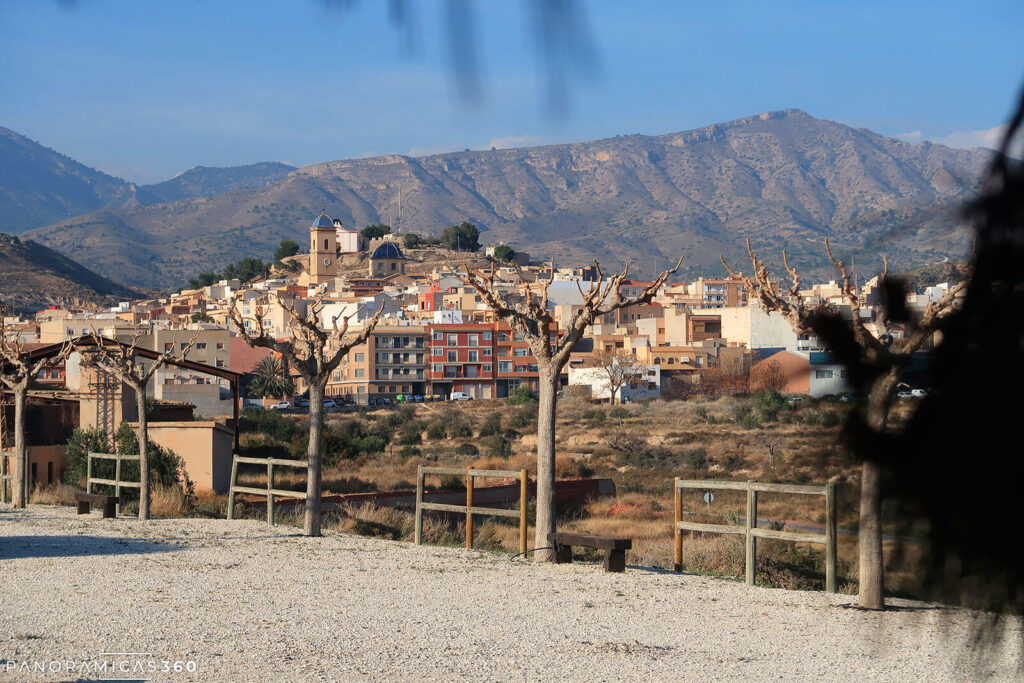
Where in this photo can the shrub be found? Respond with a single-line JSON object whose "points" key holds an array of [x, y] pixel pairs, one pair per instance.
{"points": [[410, 452], [829, 419], [410, 435], [594, 416], [459, 431], [768, 403], [332, 448], [497, 446], [524, 417], [453, 482], [491, 425], [521, 396], [632, 486], [618, 413], [695, 458], [80, 444], [437, 431], [467, 449], [270, 422], [745, 417]]}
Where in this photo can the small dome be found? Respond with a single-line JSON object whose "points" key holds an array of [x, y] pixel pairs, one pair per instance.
{"points": [[387, 250], [324, 221]]}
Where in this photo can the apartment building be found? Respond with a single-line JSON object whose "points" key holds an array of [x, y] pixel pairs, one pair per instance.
{"points": [[392, 361]]}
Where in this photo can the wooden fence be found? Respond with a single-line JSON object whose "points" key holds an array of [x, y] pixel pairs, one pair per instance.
{"points": [[469, 509], [750, 531], [269, 491], [116, 482], [6, 474]]}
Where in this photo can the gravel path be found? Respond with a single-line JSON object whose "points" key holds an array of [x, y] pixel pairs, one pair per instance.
{"points": [[245, 602]]}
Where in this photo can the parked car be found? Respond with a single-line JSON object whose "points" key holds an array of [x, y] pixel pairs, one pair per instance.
{"points": [[301, 402], [330, 403], [460, 396], [904, 394], [281, 405], [918, 393], [794, 400]]}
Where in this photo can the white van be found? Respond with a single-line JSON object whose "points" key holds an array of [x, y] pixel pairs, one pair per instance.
{"points": [[460, 396]]}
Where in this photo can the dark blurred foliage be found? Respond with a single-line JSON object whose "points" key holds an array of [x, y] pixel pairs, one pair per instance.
{"points": [[559, 28], [958, 463]]}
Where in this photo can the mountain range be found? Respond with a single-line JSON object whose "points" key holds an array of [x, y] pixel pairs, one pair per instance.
{"points": [[784, 179], [33, 276]]}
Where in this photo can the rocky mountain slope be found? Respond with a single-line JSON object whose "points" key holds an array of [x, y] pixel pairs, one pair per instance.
{"points": [[784, 179], [33, 276], [207, 181]]}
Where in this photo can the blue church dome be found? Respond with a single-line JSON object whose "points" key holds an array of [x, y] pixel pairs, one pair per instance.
{"points": [[324, 221], [387, 250]]}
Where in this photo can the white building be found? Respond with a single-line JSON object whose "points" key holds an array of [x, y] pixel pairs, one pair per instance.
{"points": [[645, 383]]}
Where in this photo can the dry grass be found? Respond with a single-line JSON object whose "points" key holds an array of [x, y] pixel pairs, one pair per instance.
{"points": [[53, 494]]}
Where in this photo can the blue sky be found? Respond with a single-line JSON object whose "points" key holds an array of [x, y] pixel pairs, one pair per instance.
{"points": [[144, 90]]}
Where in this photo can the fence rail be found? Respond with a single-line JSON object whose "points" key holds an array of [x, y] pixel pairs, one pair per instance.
{"points": [[116, 482], [269, 491], [6, 474], [750, 531], [469, 509]]}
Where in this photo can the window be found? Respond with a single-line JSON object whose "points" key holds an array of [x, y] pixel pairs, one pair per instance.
{"points": [[220, 346], [453, 357], [437, 336], [453, 340], [437, 367], [168, 347], [487, 352], [519, 353], [325, 244], [533, 367], [360, 372], [487, 367], [517, 337], [505, 366], [220, 363], [474, 356], [200, 346], [474, 340], [487, 336], [503, 351], [823, 374], [360, 357], [437, 351]]}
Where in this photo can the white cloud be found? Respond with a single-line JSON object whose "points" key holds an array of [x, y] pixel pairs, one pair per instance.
{"points": [[510, 141], [427, 150], [912, 136], [988, 137]]}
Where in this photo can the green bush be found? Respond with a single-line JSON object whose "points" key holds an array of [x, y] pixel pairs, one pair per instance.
{"points": [[524, 417], [453, 482], [521, 396], [491, 425], [467, 449], [270, 422], [497, 446], [459, 431], [829, 419], [594, 416], [80, 444], [695, 458], [768, 404], [410, 435], [410, 452], [437, 431], [618, 413]]}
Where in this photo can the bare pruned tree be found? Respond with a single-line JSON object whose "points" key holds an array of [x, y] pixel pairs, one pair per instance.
{"points": [[531, 317], [619, 368], [874, 363], [314, 352], [17, 372], [119, 360], [768, 375]]}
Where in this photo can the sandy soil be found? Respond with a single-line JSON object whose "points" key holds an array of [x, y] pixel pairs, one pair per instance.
{"points": [[239, 601]]}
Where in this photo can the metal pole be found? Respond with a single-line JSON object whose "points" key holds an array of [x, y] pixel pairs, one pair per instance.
{"points": [[231, 486], [117, 481], [469, 515], [270, 495], [524, 483], [751, 541], [419, 505], [830, 538], [677, 532]]}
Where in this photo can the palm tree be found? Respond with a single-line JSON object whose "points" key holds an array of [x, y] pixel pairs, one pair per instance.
{"points": [[270, 379]]}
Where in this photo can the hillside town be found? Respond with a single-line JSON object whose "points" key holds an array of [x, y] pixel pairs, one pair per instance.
{"points": [[436, 340]]}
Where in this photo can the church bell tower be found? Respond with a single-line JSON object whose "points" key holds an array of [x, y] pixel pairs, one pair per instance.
{"points": [[323, 251]]}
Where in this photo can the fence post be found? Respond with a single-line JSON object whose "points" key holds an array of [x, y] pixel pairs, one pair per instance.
{"points": [[419, 505], [88, 473], [830, 538], [231, 486], [469, 515], [117, 481], [3, 481], [270, 495], [751, 541], [676, 531], [523, 519]]}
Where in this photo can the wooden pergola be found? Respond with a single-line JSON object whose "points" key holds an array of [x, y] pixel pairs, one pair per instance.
{"points": [[233, 378]]}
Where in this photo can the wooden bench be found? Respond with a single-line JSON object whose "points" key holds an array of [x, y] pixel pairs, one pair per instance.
{"points": [[85, 500], [615, 548]]}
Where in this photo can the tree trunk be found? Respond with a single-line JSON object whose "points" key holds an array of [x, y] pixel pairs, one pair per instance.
{"points": [[545, 524], [21, 464], [871, 594], [314, 456], [144, 486]]}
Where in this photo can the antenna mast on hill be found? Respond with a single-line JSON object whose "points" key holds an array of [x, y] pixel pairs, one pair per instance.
{"points": [[399, 206]]}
